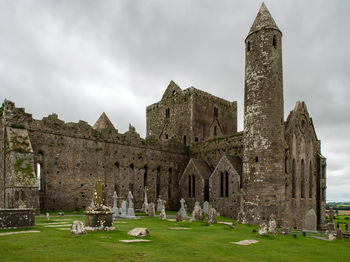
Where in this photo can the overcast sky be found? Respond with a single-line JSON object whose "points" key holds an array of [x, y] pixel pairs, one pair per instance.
{"points": [[80, 58]]}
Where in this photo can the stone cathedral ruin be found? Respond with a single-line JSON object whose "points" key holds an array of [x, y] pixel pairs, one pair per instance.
{"points": [[192, 150]]}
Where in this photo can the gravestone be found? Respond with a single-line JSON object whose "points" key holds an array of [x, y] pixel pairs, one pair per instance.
{"points": [[263, 229], [131, 211], [272, 224], [198, 213], [179, 217], [159, 204], [311, 221], [206, 207], [115, 205], [182, 208], [139, 232], [162, 212], [47, 217], [145, 201], [339, 235], [123, 213], [211, 215], [151, 211], [77, 228]]}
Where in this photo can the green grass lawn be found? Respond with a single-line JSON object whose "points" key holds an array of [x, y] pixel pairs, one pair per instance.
{"points": [[201, 243]]}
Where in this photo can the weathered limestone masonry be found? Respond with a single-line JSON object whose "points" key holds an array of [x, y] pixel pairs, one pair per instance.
{"points": [[191, 115], [72, 156], [274, 168], [263, 161]]}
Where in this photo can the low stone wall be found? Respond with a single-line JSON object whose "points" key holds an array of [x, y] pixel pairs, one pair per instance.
{"points": [[14, 218]]}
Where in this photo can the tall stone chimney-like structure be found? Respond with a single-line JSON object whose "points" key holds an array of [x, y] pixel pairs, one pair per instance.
{"points": [[263, 163]]}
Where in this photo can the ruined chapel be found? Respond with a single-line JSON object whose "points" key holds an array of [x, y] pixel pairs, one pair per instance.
{"points": [[192, 150]]}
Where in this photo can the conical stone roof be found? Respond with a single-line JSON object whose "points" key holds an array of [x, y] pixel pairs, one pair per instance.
{"points": [[103, 122], [263, 20]]}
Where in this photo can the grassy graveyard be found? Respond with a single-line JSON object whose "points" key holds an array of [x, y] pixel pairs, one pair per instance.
{"points": [[200, 243]]}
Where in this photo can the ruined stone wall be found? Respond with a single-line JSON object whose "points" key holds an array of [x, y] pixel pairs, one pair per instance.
{"points": [[73, 155], [198, 195], [301, 167], [225, 192], [212, 150], [170, 117], [190, 116], [212, 116]]}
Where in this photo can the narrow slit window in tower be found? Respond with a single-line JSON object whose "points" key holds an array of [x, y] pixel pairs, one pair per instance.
{"points": [[158, 182], [215, 131], [248, 46], [145, 176], [310, 180], [169, 182], [302, 178], [293, 179], [274, 41], [216, 112], [184, 140]]}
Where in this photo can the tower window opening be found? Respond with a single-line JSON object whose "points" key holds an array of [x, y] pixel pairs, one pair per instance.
{"points": [[184, 140], [256, 159], [226, 184], [302, 177], [274, 41], [310, 180], [221, 184], [38, 176], [145, 176], [293, 179], [167, 113], [215, 131], [196, 139], [166, 136], [216, 112], [248, 46]]}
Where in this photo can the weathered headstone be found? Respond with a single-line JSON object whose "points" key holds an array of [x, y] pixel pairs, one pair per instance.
{"points": [[206, 207], [179, 217], [162, 212], [198, 213], [159, 204], [151, 211], [182, 208], [139, 232], [77, 228], [115, 205], [145, 201], [272, 224], [339, 235], [123, 213], [211, 215], [60, 214], [47, 217], [311, 221], [263, 229], [131, 211]]}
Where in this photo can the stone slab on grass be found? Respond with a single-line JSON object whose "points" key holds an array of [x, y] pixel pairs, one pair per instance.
{"points": [[134, 240], [19, 232], [179, 228], [245, 242], [226, 223], [59, 225], [172, 220], [139, 232]]}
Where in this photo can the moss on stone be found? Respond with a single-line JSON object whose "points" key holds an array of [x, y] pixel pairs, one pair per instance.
{"points": [[24, 175]]}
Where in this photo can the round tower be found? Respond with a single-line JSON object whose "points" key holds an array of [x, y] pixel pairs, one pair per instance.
{"points": [[263, 161]]}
